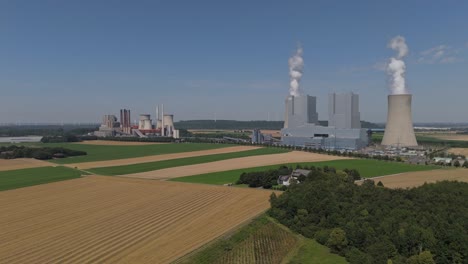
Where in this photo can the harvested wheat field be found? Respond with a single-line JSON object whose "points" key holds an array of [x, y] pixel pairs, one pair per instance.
{"points": [[232, 164], [457, 137], [17, 164], [161, 157], [117, 143], [414, 179], [117, 220], [459, 151]]}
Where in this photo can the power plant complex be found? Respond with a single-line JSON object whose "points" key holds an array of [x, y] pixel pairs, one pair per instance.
{"points": [[163, 126], [344, 132]]}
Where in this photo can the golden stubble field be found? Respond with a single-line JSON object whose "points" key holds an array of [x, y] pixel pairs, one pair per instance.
{"points": [[233, 164], [418, 178], [22, 163], [119, 220], [154, 158]]}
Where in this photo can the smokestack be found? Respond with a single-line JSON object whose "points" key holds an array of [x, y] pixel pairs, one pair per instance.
{"points": [[163, 133], [399, 130], [296, 65]]}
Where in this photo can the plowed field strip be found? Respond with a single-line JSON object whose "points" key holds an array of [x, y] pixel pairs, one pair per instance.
{"points": [[154, 158], [116, 220], [232, 164]]}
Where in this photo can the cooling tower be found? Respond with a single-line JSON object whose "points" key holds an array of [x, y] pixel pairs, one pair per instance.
{"points": [[168, 120], [399, 130], [158, 124], [145, 122]]}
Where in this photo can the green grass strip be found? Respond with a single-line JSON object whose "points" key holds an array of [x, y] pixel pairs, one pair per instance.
{"points": [[367, 169], [28, 177], [106, 152], [150, 166]]}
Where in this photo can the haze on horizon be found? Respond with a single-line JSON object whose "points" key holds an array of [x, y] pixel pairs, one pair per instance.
{"points": [[74, 61]]}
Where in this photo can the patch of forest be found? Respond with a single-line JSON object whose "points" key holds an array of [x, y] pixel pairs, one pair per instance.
{"points": [[373, 224], [14, 152]]}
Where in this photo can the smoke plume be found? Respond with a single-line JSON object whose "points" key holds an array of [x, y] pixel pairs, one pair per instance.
{"points": [[296, 65], [396, 67]]}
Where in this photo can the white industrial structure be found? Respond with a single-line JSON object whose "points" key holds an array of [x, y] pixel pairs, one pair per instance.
{"points": [[343, 110], [399, 131], [344, 132], [145, 122]]}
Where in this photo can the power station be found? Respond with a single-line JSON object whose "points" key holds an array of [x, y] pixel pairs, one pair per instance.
{"points": [[399, 130], [301, 126], [163, 126]]}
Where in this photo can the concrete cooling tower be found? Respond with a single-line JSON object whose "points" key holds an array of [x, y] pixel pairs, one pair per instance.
{"points": [[399, 130]]}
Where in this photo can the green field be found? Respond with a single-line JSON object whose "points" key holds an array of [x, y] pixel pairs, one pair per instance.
{"points": [[263, 241], [428, 140], [100, 153], [311, 252], [367, 169], [150, 166], [28, 177]]}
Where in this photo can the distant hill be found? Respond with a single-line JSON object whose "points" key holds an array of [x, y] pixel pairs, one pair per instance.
{"points": [[233, 124]]}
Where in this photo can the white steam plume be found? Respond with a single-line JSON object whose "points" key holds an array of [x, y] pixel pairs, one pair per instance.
{"points": [[296, 64], [396, 67]]}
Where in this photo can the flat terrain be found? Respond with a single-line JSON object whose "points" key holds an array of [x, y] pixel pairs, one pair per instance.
{"points": [[232, 164], [367, 169], [116, 143], [28, 177], [459, 151], [118, 220], [16, 164], [158, 165], [414, 179], [448, 136], [100, 153], [154, 158]]}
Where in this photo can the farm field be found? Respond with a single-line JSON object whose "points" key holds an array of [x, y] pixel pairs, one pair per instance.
{"points": [[16, 164], [100, 153], [151, 166], [97, 219], [28, 177], [459, 151], [117, 143], [231, 164], [262, 241], [154, 158], [414, 179], [367, 169]]}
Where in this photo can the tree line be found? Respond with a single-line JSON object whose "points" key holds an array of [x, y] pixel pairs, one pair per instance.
{"points": [[373, 224], [14, 152]]}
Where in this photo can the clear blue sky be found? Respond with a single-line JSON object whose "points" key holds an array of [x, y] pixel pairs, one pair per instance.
{"points": [[75, 61]]}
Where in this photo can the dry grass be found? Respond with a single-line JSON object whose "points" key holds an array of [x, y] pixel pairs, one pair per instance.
{"points": [[120, 162], [459, 151], [233, 164], [274, 133], [448, 136], [17, 164], [414, 179], [117, 143], [118, 220]]}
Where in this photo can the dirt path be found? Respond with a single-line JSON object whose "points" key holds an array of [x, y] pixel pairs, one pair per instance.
{"points": [[118, 220], [413, 179], [117, 143], [232, 164], [110, 163], [17, 164]]}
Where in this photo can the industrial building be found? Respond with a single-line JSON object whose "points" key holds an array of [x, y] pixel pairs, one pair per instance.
{"points": [[399, 131], [343, 132], [162, 127]]}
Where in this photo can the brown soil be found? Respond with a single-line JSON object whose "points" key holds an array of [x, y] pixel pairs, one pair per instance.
{"points": [[232, 164], [116, 143], [119, 220], [110, 163], [459, 151], [17, 164], [414, 179]]}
